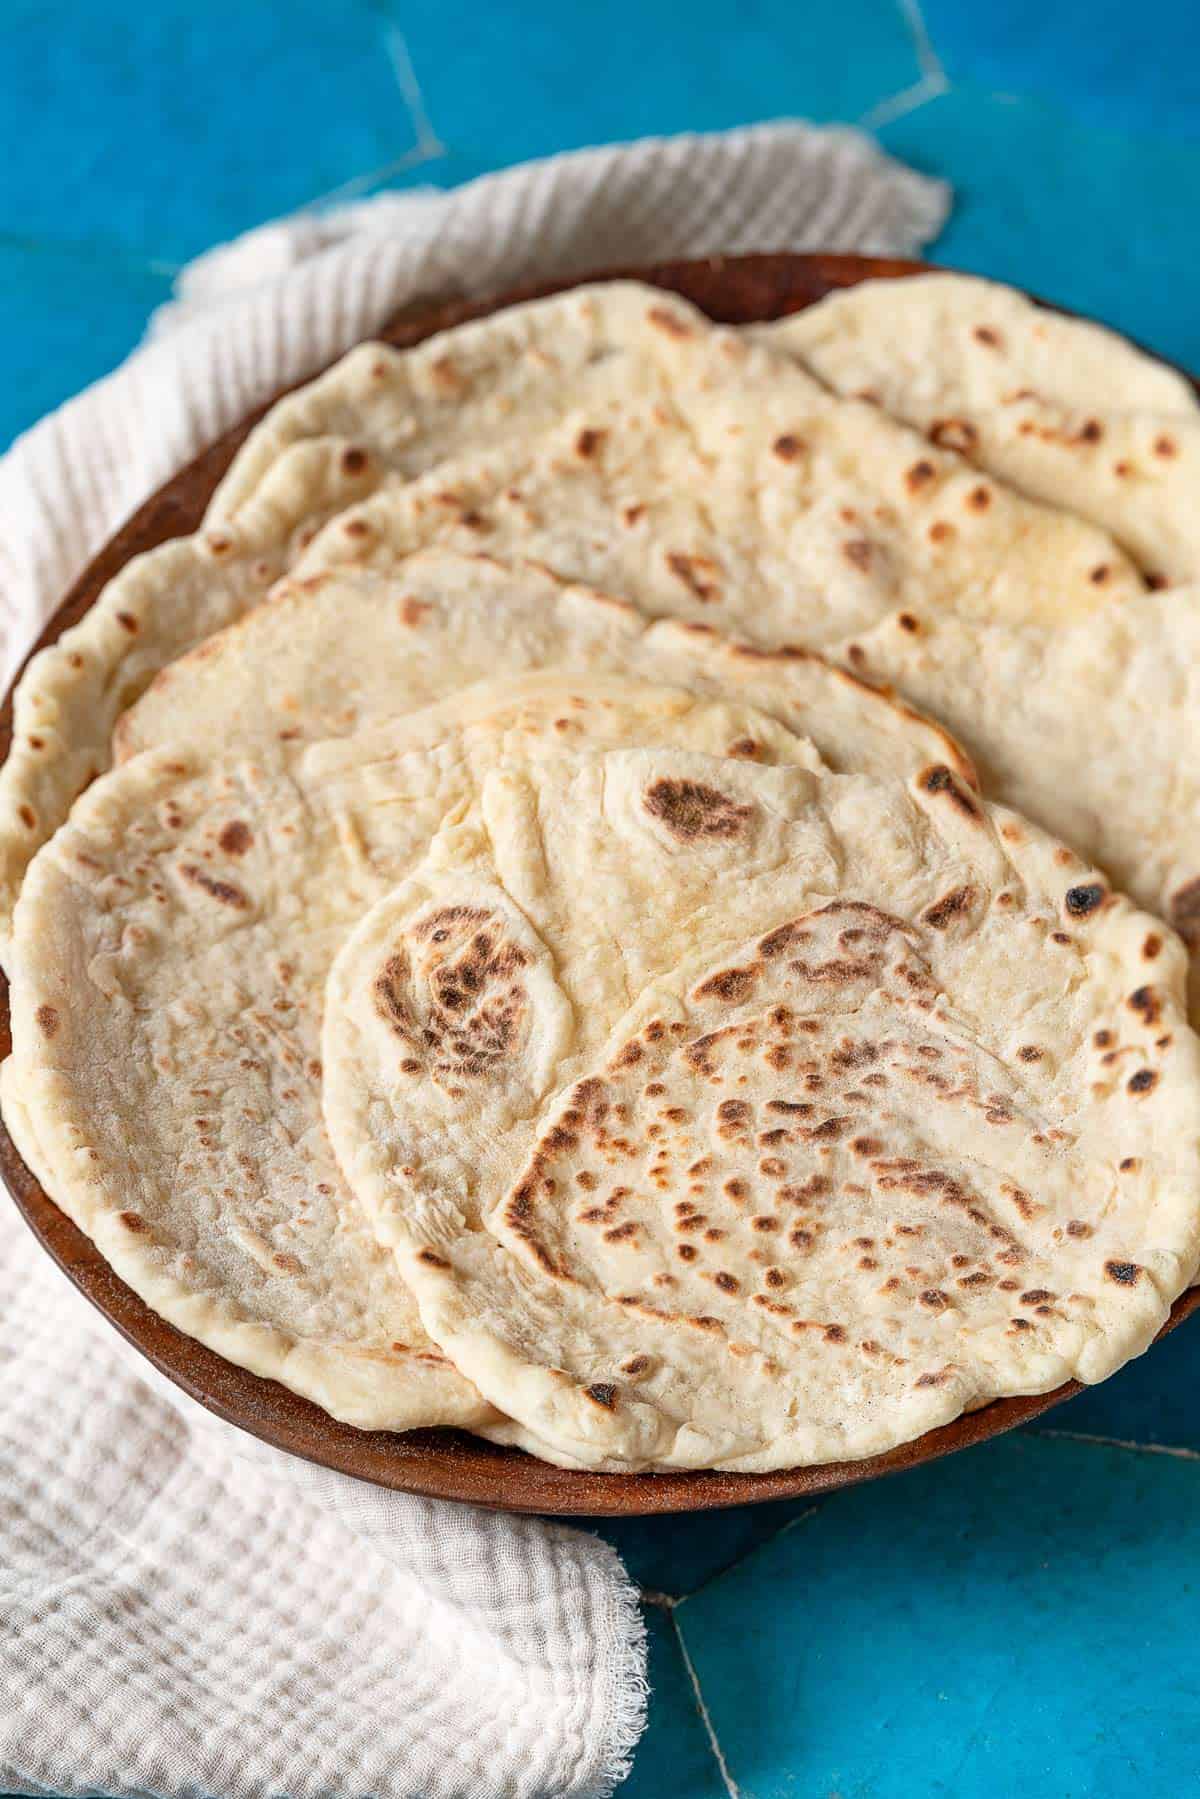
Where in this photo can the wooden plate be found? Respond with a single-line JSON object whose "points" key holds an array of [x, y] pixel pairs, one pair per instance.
{"points": [[451, 1464]]}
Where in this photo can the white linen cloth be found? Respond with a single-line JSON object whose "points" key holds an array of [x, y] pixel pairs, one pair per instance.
{"points": [[183, 1612]]}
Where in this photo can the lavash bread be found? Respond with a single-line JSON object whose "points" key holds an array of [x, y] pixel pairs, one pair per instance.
{"points": [[332, 653], [653, 457], [1093, 729], [743, 1117], [1062, 409], [741, 490], [160, 604], [173, 941]]}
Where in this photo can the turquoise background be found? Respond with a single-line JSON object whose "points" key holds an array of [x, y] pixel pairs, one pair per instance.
{"points": [[1023, 1617]]}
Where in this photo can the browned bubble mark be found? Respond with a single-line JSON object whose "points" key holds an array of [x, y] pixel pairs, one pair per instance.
{"points": [[699, 574], [1125, 1274], [954, 434], [953, 905], [413, 611], [1142, 1082], [236, 838], [788, 447], [729, 984], [1146, 1002], [669, 322], [477, 1009], [47, 1020], [1084, 899], [446, 374], [225, 892], [940, 780], [692, 809]]}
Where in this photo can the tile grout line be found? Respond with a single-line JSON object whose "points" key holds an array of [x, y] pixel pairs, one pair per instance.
{"points": [[652, 1595], [766, 1542], [361, 184], [1082, 1436], [931, 83], [410, 90], [731, 1787], [427, 148], [928, 60], [908, 99]]}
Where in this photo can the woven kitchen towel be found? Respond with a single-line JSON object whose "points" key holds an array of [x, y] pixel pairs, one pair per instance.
{"points": [[182, 1611]]}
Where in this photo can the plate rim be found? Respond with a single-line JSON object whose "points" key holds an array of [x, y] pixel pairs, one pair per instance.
{"points": [[446, 1464]]}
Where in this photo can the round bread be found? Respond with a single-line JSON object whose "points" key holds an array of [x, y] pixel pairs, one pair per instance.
{"points": [[1092, 728], [616, 435], [1063, 410], [337, 651], [742, 1117], [172, 943]]}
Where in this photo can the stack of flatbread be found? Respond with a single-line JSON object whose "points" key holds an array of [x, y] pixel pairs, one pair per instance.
{"points": [[589, 902]]}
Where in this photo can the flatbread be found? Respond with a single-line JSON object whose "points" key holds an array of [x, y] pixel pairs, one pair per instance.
{"points": [[511, 374], [173, 941], [685, 466], [160, 605], [979, 341], [1088, 725], [1093, 729], [744, 1117], [1063, 410], [342, 649]]}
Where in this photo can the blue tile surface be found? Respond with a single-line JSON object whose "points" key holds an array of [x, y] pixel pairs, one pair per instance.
{"points": [[1020, 1619], [523, 81], [161, 129], [676, 1556], [1020, 1616], [675, 1743], [66, 317], [1131, 68], [1099, 220]]}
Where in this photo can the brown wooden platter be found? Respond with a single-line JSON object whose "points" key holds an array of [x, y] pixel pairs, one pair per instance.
{"points": [[441, 1463]]}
